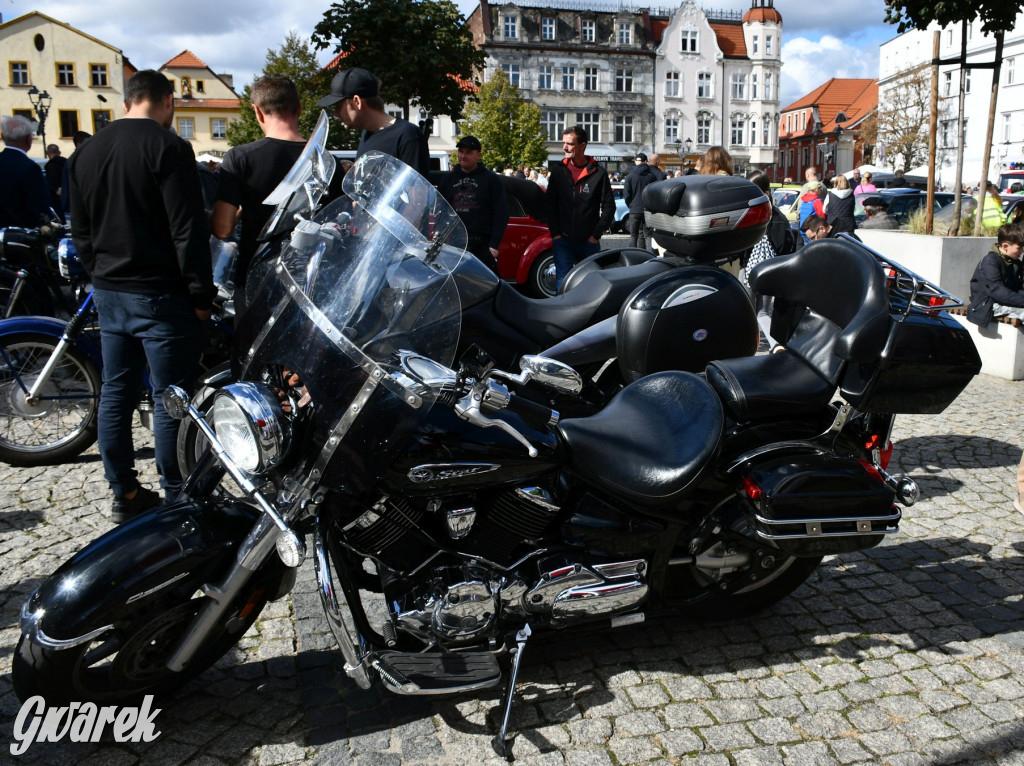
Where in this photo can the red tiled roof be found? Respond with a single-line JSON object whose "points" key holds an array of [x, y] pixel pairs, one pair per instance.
{"points": [[769, 15], [205, 103], [856, 98], [186, 60], [730, 40], [658, 27]]}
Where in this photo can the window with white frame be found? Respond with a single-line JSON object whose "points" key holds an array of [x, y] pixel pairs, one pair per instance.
{"points": [[66, 74], [967, 82], [688, 41], [98, 75], [756, 44], [511, 26], [591, 121], [704, 128], [671, 129], [1008, 67], [947, 83], [512, 72], [766, 133], [219, 128], [19, 73], [1006, 128], [625, 34], [767, 86], [547, 28], [186, 128], [624, 80], [704, 85], [545, 76], [753, 86], [672, 84], [767, 45], [568, 78], [738, 86], [588, 31], [736, 130], [590, 78], [753, 132], [624, 129], [552, 124]]}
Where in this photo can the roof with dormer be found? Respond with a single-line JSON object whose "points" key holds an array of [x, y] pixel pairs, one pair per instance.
{"points": [[855, 98]]}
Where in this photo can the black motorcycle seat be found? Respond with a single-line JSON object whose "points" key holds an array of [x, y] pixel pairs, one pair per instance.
{"points": [[775, 385], [651, 441], [547, 321]]}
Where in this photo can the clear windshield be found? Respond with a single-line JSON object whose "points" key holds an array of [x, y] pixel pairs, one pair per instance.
{"points": [[305, 185], [366, 283]]}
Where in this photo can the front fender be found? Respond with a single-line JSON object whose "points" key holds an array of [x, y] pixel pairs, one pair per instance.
{"points": [[53, 328], [533, 251], [171, 551]]}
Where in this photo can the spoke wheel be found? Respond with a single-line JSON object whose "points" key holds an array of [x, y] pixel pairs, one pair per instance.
{"points": [[61, 423]]}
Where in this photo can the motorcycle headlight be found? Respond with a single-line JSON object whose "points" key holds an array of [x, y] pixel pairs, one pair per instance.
{"points": [[251, 426]]}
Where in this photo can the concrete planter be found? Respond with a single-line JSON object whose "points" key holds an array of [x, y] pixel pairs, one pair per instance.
{"points": [[950, 263]]}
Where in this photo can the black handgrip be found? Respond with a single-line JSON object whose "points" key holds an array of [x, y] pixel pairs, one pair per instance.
{"points": [[535, 415]]}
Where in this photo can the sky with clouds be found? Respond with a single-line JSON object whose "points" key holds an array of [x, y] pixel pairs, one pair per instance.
{"points": [[822, 39]]}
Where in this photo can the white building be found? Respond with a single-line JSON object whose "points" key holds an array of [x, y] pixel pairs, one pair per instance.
{"points": [[718, 82], [915, 48]]}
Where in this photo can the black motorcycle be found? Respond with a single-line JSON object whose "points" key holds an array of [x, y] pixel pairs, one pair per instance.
{"points": [[472, 514]]}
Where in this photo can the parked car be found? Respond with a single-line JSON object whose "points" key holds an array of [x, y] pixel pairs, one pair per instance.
{"points": [[621, 210], [1013, 207], [902, 203], [524, 257]]}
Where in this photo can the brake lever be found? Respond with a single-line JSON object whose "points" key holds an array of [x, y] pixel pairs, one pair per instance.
{"points": [[469, 408]]}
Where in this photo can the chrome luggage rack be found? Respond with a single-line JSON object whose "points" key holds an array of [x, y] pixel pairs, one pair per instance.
{"points": [[910, 292]]}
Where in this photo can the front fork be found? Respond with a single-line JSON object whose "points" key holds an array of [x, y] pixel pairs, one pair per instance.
{"points": [[272, 530]]}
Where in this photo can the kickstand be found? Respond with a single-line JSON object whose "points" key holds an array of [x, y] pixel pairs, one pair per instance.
{"points": [[503, 746]]}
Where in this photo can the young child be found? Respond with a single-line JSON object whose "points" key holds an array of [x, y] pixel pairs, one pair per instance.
{"points": [[997, 287]]}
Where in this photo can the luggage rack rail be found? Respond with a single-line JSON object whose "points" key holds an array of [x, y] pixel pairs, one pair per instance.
{"points": [[913, 290]]}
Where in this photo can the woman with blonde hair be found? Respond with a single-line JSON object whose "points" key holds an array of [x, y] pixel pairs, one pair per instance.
{"points": [[839, 206], [716, 161], [865, 186]]}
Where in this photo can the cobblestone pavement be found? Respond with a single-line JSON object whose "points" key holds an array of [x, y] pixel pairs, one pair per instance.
{"points": [[910, 653]]}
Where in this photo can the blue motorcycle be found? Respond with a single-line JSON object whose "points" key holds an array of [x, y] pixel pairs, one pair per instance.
{"points": [[50, 377]]}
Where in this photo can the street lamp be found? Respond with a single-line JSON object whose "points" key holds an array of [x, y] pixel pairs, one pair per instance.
{"points": [[838, 133], [41, 103]]}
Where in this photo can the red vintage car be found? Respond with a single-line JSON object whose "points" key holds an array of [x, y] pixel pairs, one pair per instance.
{"points": [[524, 257]]}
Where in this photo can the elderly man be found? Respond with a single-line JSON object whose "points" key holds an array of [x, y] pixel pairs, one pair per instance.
{"points": [[24, 193]]}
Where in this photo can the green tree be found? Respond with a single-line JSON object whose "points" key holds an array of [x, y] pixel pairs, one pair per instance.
{"points": [[296, 60], [995, 15], [507, 126], [421, 50]]}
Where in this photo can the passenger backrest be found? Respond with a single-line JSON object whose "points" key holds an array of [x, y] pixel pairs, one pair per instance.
{"points": [[831, 304]]}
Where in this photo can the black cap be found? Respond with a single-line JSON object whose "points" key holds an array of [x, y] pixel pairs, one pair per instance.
{"points": [[469, 142], [642, 157], [874, 201], [348, 83]]}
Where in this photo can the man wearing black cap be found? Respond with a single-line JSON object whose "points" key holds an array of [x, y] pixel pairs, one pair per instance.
{"points": [[639, 178], [478, 197], [355, 96], [878, 215]]}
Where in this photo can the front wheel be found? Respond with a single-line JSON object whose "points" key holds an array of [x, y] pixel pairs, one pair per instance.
{"points": [[129, 661], [542, 279], [61, 423]]}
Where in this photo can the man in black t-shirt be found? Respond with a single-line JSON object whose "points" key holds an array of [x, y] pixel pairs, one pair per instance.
{"points": [[251, 171], [478, 197], [355, 97], [141, 234]]}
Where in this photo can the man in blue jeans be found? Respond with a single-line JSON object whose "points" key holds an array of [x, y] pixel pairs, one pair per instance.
{"points": [[580, 204], [139, 228]]}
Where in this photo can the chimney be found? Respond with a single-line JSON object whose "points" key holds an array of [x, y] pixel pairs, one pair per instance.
{"points": [[229, 79]]}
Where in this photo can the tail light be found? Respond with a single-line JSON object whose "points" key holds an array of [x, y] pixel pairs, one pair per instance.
{"points": [[755, 216], [753, 491]]}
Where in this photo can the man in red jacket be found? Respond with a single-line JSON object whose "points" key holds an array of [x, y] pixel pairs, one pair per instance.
{"points": [[580, 204]]}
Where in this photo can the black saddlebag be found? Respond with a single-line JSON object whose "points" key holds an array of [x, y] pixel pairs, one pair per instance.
{"points": [[928, 359], [814, 505], [706, 217]]}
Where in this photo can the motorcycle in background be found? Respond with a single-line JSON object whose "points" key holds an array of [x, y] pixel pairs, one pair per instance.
{"points": [[473, 515]]}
